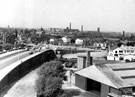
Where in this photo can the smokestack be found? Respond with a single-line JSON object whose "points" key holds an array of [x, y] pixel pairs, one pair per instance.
{"points": [[123, 33], [70, 26], [98, 29], [82, 28], [89, 59]]}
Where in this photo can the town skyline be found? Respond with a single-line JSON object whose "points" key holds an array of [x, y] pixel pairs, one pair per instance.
{"points": [[109, 15]]}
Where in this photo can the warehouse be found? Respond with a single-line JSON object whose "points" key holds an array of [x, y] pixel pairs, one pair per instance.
{"points": [[113, 80]]}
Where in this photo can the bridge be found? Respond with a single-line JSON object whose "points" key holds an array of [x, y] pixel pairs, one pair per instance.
{"points": [[15, 64]]}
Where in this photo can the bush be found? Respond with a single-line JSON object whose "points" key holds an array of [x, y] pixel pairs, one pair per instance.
{"points": [[127, 60], [51, 76], [53, 68], [49, 86]]}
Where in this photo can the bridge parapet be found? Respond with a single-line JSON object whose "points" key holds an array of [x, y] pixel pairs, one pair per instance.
{"points": [[20, 68]]}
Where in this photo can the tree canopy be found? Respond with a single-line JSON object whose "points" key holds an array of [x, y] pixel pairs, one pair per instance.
{"points": [[51, 76]]}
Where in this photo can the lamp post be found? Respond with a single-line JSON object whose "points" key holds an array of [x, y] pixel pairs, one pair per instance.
{"points": [[18, 53], [17, 44]]}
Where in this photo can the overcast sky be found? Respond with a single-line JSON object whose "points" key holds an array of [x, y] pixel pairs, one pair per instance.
{"points": [[109, 15]]}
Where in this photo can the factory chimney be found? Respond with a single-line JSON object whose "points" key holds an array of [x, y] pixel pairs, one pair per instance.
{"points": [[70, 26], [82, 28], [98, 29], [123, 35]]}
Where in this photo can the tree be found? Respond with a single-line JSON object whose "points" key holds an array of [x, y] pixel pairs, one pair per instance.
{"points": [[119, 44], [49, 86], [53, 68], [11, 38], [51, 76]]}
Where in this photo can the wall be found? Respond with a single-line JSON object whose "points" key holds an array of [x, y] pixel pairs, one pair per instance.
{"points": [[81, 62], [80, 81], [110, 57], [116, 91], [104, 90], [23, 68]]}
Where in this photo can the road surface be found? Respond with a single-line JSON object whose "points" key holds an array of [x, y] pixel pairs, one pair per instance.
{"points": [[7, 60], [10, 54]]}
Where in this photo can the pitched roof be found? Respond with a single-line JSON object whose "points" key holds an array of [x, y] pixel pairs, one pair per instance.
{"points": [[114, 78], [94, 73], [113, 48], [127, 47], [118, 75]]}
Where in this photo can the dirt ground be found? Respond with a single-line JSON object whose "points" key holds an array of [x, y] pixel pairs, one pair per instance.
{"points": [[25, 87]]}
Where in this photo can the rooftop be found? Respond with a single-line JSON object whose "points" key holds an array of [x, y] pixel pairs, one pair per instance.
{"points": [[117, 75], [124, 71]]}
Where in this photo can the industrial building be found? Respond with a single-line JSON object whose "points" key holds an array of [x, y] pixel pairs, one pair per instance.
{"points": [[120, 53], [105, 80]]}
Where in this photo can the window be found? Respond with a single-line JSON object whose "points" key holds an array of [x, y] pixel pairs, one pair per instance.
{"points": [[121, 58], [120, 51], [128, 51], [127, 77], [116, 55], [115, 51], [120, 54], [132, 51], [133, 89]]}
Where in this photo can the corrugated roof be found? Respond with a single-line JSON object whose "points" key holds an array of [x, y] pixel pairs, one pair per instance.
{"points": [[114, 78], [122, 74], [117, 75]]}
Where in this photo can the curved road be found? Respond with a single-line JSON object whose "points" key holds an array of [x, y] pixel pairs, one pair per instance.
{"points": [[7, 60], [11, 54]]}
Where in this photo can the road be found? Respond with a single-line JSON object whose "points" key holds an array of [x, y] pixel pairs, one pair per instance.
{"points": [[54, 47], [13, 53], [12, 57]]}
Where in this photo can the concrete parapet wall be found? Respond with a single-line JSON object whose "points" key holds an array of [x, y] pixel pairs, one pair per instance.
{"points": [[24, 66]]}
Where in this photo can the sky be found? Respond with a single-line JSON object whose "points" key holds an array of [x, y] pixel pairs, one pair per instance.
{"points": [[109, 15]]}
